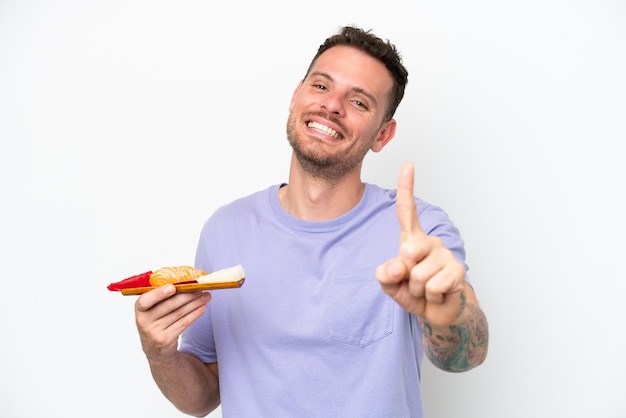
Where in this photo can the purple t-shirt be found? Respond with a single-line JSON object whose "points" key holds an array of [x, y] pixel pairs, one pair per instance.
{"points": [[311, 333]]}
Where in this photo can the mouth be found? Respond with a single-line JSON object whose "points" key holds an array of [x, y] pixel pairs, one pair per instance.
{"points": [[324, 129]]}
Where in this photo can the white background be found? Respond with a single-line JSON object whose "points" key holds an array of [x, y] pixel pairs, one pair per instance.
{"points": [[124, 124]]}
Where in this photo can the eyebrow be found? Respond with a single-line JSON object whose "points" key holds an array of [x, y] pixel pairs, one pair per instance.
{"points": [[355, 89]]}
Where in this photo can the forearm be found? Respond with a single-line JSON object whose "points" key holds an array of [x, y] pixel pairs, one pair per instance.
{"points": [[461, 346], [188, 383]]}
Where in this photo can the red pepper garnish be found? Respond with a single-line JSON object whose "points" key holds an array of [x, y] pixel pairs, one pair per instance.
{"points": [[139, 280]]}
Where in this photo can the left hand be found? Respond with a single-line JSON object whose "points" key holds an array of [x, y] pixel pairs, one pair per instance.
{"points": [[425, 279]]}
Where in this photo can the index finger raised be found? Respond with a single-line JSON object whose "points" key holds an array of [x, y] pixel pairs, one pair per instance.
{"points": [[405, 204]]}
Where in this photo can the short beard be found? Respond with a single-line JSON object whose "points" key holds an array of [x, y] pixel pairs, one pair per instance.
{"points": [[330, 169]]}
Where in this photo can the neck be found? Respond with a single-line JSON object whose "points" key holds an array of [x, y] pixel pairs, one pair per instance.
{"points": [[317, 199]]}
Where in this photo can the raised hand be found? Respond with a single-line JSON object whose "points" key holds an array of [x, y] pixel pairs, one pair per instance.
{"points": [[425, 278]]}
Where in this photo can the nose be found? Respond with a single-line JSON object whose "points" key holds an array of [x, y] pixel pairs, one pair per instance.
{"points": [[333, 103]]}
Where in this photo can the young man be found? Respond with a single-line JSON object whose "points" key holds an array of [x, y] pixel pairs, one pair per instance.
{"points": [[348, 285]]}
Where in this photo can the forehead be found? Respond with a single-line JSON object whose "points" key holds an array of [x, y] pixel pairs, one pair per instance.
{"points": [[350, 67]]}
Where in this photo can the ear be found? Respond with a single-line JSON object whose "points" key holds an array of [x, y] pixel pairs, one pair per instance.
{"points": [[293, 96], [386, 133]]}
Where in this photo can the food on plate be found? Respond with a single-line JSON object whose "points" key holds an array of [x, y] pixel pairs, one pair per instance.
{"points": [[230, 274], [186, 278], [178, 274]]}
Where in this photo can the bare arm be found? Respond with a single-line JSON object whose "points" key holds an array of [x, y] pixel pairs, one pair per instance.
{"points": [[461, 346], [161, 316], [427, 281]]}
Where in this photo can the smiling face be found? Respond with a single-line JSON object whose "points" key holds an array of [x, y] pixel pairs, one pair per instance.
{"points": [[337, 113]]}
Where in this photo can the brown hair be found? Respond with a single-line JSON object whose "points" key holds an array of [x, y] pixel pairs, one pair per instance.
{"points": [[383, 51]]}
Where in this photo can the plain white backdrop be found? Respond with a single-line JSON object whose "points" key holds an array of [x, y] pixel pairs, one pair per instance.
{"points": [[124, 124]]}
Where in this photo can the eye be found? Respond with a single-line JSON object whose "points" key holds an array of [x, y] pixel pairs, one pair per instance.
{"points": [[320, 86], [360, 104]]}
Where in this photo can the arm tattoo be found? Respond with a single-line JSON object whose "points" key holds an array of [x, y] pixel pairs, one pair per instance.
{"points": [[457, 348]]}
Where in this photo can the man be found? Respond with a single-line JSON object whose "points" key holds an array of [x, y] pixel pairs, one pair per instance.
{"points": [[347, 287]]}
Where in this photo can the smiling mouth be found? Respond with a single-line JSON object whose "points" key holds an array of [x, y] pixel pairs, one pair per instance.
{"points": [[324, 129]]}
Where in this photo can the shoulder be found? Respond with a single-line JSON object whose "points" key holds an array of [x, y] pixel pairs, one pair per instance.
{"points": [[433, 219], [240, 211], [255, 201], [431, 216]]}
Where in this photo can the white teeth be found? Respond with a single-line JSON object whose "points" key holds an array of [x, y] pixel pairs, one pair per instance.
{"points": [[325, 129]]}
